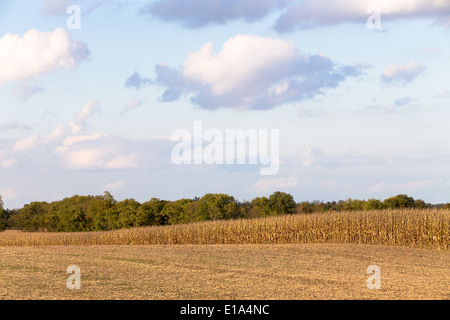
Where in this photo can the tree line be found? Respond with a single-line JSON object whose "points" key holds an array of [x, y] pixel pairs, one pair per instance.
{"points": [[103, 212]]}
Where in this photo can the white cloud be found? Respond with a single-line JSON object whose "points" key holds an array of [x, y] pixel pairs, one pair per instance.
{"points": [[133, 104], [403, 101], [13, 125], [308, 14], [59, 7], [8, 163], [24, 92], [37, 52], [116, 185], [237, 65], [403, 187], [411, 186], [55, 7], [251, 72], [273, 184], [198, 13], [402, 73], [79, 121], [26, 144], [105, 153], [379, 187], [69, 147], [59, 132], [83, 158], [294, 14], [443, 95], [8, 194], [137, 81], [122, 161], [68, 141], [307, 156]]}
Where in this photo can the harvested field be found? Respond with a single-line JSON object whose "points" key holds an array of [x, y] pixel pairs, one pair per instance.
{"points": [[282, 271]]}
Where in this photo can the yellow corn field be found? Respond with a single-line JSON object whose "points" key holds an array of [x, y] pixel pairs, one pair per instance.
{"points": [[425, 228]]}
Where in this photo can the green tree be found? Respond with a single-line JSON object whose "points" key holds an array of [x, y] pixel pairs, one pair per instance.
{"points": [[260, 207], [351, 204], [420, 204], [177, 212], [70, 213], [217, 206], [373, 204], [306, 207], [15, 220], [108, 199], [77, 221], [282, 203], [3, 216], [96, 206], [399, 201], [149, 213], [127, 213], [32, 215]]}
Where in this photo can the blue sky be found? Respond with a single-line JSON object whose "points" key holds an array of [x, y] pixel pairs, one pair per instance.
{"points": [[362, 113]]}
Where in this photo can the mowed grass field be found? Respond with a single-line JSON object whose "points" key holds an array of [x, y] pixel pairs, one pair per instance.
{"points": [[318, 256]]}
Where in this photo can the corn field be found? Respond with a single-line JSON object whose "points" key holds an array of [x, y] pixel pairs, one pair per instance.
{"points": [[427, 228]]}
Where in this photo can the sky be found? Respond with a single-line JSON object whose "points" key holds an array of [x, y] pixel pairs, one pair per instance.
{"points": [[93, 93]]}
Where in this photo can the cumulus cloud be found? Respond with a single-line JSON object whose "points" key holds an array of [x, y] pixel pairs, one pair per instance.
{"points": [[198, 13], [307, 14], [37, 52], [402, 73], [251, 72]]}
